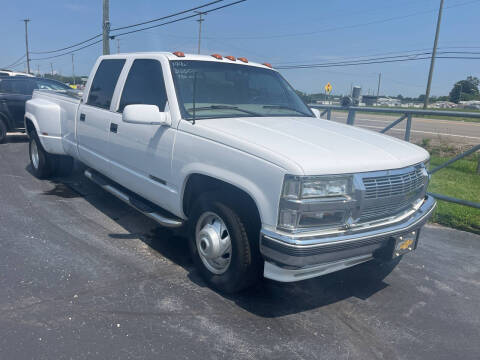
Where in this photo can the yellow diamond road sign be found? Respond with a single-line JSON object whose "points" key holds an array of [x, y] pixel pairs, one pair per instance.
{"points": [[328, 88]]}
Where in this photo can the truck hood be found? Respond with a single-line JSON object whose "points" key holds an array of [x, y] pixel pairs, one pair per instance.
{"points": [[310, 146]]}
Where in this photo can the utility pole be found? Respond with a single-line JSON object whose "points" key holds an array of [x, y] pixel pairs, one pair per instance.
{"points": [[26, 44], [434, 53], [51, 68], [118, 46], [378, 87], [106, 28], [38, 69], [200, 20], [73, 71]]}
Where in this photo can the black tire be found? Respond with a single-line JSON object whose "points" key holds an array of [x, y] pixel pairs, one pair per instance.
{"points": [[246, 265], [3, 131], [63, 165], [42, 167]]}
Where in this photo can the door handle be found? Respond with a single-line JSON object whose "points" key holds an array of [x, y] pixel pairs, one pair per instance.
{"points": [[82, 117], [113, 128]]}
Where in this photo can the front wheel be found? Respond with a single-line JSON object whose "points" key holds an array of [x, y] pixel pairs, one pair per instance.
{"points": [[40, 160], [220, 246]]}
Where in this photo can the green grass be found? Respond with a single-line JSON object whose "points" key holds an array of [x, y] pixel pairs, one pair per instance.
{"points": [[461, 181]]}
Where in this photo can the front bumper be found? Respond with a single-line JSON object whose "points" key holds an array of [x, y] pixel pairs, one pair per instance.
{"points": [[293, 257]]}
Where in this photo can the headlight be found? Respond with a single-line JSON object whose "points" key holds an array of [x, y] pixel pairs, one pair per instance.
{"points": [[315, 202], [298, 187]]}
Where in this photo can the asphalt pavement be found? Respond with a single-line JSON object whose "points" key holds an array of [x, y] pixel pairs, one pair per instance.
{"points": [[438, 130], [83, 276]]}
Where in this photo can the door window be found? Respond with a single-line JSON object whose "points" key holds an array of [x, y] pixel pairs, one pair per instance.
{"points": [[104, 82], [144, 85]]}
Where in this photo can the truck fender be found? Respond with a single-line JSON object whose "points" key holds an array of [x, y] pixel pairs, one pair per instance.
{"points": [[47, 124], [263, 204]]}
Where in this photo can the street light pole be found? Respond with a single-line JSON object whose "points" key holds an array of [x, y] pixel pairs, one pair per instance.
{"points": [[106, 27], [26, 44], [200, 20], [73, 71], [378, 88], [434, 53]]}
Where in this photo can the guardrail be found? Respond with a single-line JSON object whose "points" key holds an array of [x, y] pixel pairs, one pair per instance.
{"points": [[408, 114]]}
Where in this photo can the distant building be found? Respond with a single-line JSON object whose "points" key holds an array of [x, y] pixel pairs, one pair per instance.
{"points": [[386, 101], [369, 100], [443, 105], [472, 104]]}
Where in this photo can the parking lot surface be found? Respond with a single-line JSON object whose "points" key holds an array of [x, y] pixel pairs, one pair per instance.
{"points": [[83, 276]]}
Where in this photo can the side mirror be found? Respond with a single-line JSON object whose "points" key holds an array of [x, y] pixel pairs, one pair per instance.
{"points": [[316, 112], [146, 115]]}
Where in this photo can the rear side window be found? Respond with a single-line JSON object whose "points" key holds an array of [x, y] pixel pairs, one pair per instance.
{"points": [[144, 85], [104, 82], [16, 86]]}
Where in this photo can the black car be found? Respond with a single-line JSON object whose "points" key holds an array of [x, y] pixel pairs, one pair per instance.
{"points": [[14, 92]]}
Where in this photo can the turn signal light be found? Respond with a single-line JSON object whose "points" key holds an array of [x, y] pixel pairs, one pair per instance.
{"points": [[179, 54], [217, 56], [229, 57], [268, 65], [243, 59]]}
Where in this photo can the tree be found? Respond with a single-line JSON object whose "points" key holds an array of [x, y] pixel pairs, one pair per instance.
{"points": [[305, 97], [465, 90]]}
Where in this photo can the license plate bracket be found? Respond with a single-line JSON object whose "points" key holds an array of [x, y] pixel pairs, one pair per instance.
{"points": [[405, 243]]}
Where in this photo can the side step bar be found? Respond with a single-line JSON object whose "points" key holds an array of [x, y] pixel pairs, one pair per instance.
{"points": [[152, 211]]}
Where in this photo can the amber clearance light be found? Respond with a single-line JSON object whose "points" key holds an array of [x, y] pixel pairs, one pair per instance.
{"points": [[268, 65], [243, 59], [217, 56], [230, 57], [179, 54]]}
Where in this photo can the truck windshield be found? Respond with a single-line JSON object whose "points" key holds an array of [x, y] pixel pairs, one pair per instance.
{"points": [[218, 90]]}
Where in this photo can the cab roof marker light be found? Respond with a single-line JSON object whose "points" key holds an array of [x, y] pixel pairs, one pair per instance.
{"points": [[179, 54], [268, 65], [243, 59], [217, 56], [230, 57]]}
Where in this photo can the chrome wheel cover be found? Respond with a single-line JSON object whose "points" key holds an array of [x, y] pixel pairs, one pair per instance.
{"points": [[34, 154], [213, 242]]}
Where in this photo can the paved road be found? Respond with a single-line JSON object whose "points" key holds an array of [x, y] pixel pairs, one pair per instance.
{"points": [[443, 131], [82, 276]]}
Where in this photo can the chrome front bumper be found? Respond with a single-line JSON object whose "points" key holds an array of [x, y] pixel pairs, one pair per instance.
{"points": [[293, 257]]}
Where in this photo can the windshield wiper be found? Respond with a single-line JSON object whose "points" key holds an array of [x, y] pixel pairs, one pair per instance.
{"points": [[283, 107], [225, 107]]}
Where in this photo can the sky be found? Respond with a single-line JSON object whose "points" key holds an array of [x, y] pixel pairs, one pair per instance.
{"points": [[280, 32]]}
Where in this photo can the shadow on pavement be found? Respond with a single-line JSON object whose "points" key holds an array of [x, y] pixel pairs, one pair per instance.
{"points": [[267, 299]]}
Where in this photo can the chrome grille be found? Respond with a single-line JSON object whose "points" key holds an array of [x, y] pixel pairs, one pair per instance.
{"points": [[388, 195], [388, 186]]}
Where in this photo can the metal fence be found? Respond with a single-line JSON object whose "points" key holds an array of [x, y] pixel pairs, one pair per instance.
{"points": [[408, 116]]}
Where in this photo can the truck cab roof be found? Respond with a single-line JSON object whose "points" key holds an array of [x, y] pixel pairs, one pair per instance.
{"points": [[172, 56]]}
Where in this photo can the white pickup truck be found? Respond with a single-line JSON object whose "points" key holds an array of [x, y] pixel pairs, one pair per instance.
{"points": [[225, 148]]}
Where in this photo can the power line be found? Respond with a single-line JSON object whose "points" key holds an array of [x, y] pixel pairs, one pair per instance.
{"points": [[380, 21], [177, 20], [362, 59], [69, 52], [67, 47], [370, 61], [168, 16], [123, 27], [14, 63], [137, 30]]}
